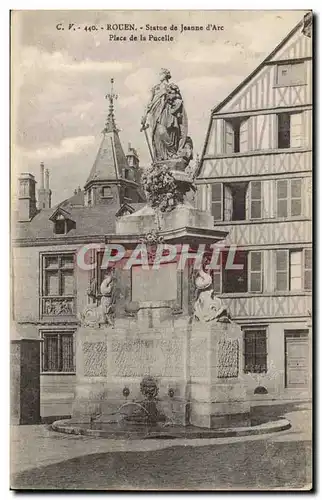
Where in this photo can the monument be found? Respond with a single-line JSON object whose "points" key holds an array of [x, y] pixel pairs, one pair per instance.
{"points": [[154, 328]]}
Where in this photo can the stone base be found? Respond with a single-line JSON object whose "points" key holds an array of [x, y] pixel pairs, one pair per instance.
{"points": [[220, 415], [217, 391], [145, 220], [112, 362]]}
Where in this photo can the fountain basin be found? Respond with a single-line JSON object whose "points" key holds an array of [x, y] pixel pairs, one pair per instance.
{"points": [[121, 430]]}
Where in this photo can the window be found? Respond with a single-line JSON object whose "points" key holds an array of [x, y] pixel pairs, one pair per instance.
{"points": [[60, 225], [238, 192], [293, 270], [236, 200], [289, 197], [284, 123], [290, 74], [217, 200], [255, 351], [255, 272], [247, 278], [89, 197], [236, 135], [290, 132], [58, 285], [58, 352], [308, 269], [234, 280], [255, 199], [107, 192]]}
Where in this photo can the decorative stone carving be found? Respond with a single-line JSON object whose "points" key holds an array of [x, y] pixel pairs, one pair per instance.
{"points": [[149, 387], [96, 315], [92, 288], [108, 297], [58, 306], [208, 307], [95, 359], [161, 189], [152, 239], [228, 354]]}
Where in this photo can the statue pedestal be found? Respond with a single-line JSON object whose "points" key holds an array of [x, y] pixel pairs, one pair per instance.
{"points": [[182, 216], [196, 364], [217, 393]]}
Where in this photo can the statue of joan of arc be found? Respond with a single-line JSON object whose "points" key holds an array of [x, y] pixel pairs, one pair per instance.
{"points": [[167, 119]]}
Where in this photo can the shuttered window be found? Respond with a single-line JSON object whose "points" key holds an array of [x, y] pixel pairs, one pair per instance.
{"points": [[282, 198], [289, 197], [295, 257], [255, 351], [308, 269], [243, 136], [217, 200], [296, 132], [255, 272], [281, 270], [296, 197], [58, 352], [290, 130], [228, 203], [255, 199], [293, 270], [236, 135], [229, 137]]}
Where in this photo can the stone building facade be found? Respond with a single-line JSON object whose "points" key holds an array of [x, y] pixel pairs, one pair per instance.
{"points": [[48, 289]]}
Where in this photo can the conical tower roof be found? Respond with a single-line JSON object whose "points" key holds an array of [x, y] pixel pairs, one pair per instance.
{"points": [[110, 161]]}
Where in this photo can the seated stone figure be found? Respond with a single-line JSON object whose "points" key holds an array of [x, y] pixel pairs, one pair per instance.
{"points": [[95, 315], [208, 307]]}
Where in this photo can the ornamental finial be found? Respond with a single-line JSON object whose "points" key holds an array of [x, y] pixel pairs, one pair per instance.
{"points": [[110, 122]]}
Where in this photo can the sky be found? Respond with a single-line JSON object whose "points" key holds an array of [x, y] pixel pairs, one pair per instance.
{"points": [[60, 78]]}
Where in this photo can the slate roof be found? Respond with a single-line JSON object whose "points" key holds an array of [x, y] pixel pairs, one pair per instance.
{"points": [[89, 221], [77, 199], [110, 161]]}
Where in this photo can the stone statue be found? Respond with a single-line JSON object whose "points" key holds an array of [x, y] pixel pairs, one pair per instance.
{"points": [[96, 315], [107, 301], [166, 116], [208, 307]]}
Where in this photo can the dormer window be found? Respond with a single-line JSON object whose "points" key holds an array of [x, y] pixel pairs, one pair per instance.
{"points": [[62, 221], [60, 225]]}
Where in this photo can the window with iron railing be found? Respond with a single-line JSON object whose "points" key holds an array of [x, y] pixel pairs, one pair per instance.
{"points": [[255, 351], [58, 352]]}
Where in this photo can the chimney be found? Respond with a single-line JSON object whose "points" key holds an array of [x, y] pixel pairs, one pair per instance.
{"points": [[44, 193], [26, 197], [132, 157], [47, 179], [42, 176]]}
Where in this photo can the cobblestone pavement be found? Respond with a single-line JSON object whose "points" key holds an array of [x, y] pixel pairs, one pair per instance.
{"points": [[41, 458]]}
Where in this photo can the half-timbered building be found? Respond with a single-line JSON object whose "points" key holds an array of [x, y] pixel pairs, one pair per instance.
{"points": [[255, 178]]}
